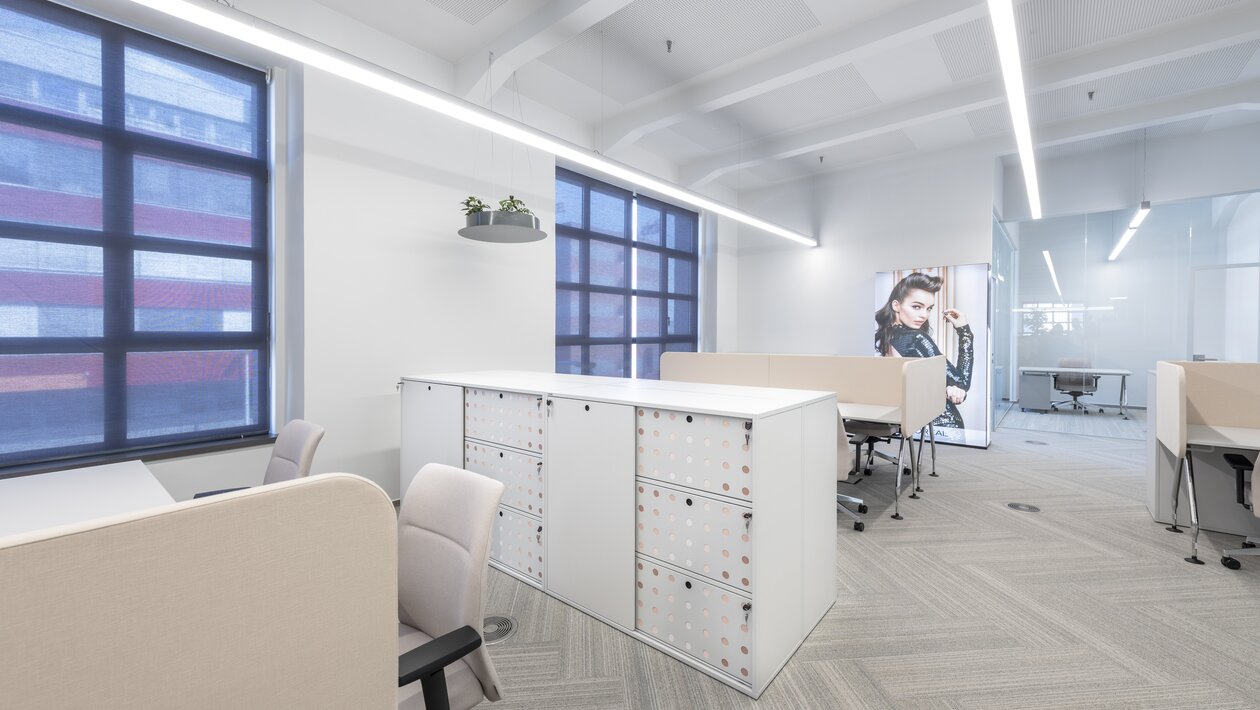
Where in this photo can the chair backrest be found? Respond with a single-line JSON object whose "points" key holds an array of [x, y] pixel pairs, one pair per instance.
{"points": [[269, 597], [444, 526], [294, 451], [1075, 381]]}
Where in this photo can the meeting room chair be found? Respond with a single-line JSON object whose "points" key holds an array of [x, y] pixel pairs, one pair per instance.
{"points": [[1246, 499], [1075, 385], [290, 458], [444, 529]]}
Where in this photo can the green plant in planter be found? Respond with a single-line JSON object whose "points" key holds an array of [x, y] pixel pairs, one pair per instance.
{"points": [[473, 205], [511, 204]]}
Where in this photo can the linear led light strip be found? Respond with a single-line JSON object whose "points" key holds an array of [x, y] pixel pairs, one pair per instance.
{"points": [[1134, 223], [1053, 277], [251, 30], [1002, 12]]}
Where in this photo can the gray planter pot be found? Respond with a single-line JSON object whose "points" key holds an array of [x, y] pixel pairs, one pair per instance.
{"points": [[502, 227]]}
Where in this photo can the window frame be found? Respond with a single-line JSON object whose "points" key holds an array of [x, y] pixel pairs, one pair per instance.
{"points": [[120, 149], [585, 236]]}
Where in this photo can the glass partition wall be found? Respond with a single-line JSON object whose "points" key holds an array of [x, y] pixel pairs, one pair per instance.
{"points": [[1185, 286]]}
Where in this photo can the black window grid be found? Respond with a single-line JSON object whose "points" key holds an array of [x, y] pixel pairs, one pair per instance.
{"points": [[120, 147]]}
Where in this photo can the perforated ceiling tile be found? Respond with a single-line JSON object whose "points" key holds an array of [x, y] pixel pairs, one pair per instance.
{"points": [[989, 120], [1188, 126], [1199, 71], [470, 11], [819, 98], [706, 34], [1049, 27]]}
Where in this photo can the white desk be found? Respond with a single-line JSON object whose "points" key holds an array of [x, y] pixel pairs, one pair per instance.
{"points": [[1228, 437], [44, 500], [882, 413], [1050, 372]]}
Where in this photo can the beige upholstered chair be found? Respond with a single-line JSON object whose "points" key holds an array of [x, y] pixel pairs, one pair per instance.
{"points": [[290, 458], [444, 526]]}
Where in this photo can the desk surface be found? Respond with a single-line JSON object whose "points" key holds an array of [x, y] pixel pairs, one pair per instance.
{"points": [[869, 412], [44, 500], [1224, 436], [1072, 370]]}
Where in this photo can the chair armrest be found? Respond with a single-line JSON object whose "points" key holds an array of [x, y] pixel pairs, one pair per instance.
{"points": [[426, 659], [205, 494]]}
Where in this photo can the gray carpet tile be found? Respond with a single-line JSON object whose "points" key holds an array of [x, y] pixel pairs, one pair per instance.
{"points": [[964, 605]]}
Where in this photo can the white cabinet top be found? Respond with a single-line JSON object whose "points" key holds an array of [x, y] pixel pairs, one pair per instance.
{"points": [[689, 396]]}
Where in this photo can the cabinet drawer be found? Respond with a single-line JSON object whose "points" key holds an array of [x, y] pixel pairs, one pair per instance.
{"points": [[704, 535], [695, 617], [517, 542], [702, 451], [520, 474], [505, 418]]}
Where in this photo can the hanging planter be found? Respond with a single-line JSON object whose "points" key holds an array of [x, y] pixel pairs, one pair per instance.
{"points": [[512, 223]]}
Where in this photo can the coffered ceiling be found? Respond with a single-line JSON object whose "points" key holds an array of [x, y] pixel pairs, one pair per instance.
{"points": [[752, 92]]}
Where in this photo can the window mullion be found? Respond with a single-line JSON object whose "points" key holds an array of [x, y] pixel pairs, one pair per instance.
{"points": [[118, 251]]}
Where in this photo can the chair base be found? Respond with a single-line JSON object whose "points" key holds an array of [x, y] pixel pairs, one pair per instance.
{"points": [[1248, 549]]}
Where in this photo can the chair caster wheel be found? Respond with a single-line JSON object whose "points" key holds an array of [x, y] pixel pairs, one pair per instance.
{"points": [[859, 526], [906, 472], [862, 509], [866, 472], [1100, 411], [1231, 563]]}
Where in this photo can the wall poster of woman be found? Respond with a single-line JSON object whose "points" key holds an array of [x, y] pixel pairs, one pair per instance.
{"points": [[935, 311]]}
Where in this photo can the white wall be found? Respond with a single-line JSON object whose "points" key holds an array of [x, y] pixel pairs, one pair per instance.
{"points": [[930, 210]]}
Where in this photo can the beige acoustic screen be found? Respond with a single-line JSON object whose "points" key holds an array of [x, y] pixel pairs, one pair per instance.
{"points": [[275, 597]]}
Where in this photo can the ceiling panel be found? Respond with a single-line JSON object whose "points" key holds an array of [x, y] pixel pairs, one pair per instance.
{"points": [[626, 54], [819, 98], [911, 70], [470, 11], [1050, 27], [990, 120]]}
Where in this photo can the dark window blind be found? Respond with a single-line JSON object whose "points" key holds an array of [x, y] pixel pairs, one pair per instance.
{"points": [[134, 299], [627, 273]]}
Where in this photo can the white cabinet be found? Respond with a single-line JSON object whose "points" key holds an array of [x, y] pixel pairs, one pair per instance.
{"points": [[698, 519], [590, 507], [432, 428]]}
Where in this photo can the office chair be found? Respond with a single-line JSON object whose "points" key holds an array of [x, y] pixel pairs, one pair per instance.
{"points": [[844, 472], [1075, 385], [1246, 499], [290, 458], [444, 529]]}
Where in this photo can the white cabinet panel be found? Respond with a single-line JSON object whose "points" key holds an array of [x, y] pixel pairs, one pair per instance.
{"points": [[704, 621], [517, 542], [704, 535], [590, 507], [505, 418], [521, 474], [432, 428], [703, 451]]}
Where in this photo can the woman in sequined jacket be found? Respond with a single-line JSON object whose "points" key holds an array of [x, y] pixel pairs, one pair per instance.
{"points": [[902, 329]]}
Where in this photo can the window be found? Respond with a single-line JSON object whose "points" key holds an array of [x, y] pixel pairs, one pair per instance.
{"points": [[627, 273], [134, 293], [1053, 317]]}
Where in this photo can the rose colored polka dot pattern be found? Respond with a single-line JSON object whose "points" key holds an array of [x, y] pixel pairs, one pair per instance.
{"points": [[505, 418], [520, 474], [517, 542], [703, 620], [709, 452], [705, 535]]}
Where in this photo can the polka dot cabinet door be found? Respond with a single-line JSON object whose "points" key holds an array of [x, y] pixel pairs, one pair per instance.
{"points": [[509, 419], [703, 451], [520, 474], [517, 543], [704, 535], [706, 622]]}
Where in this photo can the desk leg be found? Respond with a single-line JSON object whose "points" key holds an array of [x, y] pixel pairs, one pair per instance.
{"points": [[897, 495], [1176, 495], [1124, 397], [932, 435], [916, 464], [1194, 512]]}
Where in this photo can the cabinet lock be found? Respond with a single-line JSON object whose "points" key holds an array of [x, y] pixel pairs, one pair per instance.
{"points": [[747, 521], [747, 433], [747, 610]]}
